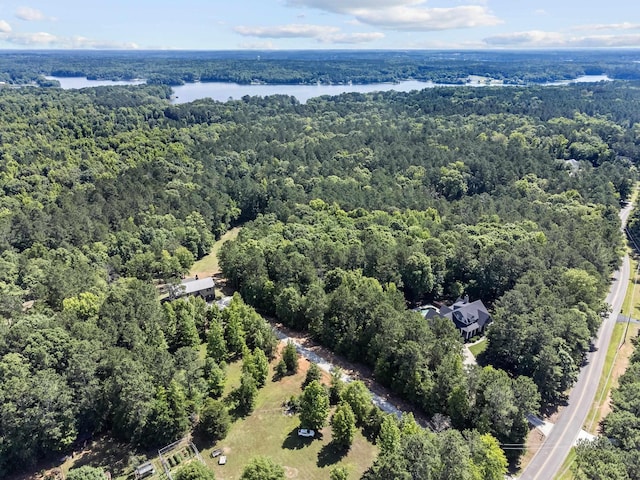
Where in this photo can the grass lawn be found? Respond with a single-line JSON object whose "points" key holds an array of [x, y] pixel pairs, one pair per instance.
{"points": [[208, 265], [633, 291], [479, 347], [269, 431]]}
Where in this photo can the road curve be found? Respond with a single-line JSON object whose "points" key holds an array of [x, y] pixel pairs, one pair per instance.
{"points": [[547, 462]]}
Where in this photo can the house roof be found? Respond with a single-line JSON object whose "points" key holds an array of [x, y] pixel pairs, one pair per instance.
{"points": [[467, 316], [192, 285]]}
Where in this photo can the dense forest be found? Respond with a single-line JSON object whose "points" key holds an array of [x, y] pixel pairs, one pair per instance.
{"points": [[355, 209], [310, 67]]}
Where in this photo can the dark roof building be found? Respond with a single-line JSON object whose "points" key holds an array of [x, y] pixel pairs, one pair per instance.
{"points": [[470, 318]]}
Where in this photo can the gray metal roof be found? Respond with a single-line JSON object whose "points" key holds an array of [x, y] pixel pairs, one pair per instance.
{"points": [[192, 286]]}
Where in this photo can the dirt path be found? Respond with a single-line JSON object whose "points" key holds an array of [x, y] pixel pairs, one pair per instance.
{"points": [[382, 396]]}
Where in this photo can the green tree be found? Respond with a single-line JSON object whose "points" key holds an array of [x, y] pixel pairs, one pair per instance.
{"points": [[214, 420], [290, 357], [389, 436], [339, 473], [182, 313], [357, 395], [336, 385], [167, 419], [418, 277], [313, 373], [234, 336], [488, 457], [216, 345], [37, 412], [314, 406], [261, 367], [194, 471], [281, 369], [343, 425], [86, 473], [262, 468], [215, 377], [245, 394], [599, 460]]}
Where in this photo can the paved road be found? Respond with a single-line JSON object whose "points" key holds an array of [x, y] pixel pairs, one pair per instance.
{"points": [[549, 459]]}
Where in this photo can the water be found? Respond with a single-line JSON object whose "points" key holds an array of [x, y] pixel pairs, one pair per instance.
{"points": [[72, 83], [582, 79], [222, 91]]}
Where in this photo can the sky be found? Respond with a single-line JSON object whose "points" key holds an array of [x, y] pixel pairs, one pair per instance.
{"points": [[319, 24]]}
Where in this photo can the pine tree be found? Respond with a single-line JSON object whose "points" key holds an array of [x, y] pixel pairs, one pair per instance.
{"points": [[290, 357], [343, 424], [314, 406]]}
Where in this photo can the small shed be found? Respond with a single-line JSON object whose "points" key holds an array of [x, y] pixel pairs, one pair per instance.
{"points": [[144, 470]]}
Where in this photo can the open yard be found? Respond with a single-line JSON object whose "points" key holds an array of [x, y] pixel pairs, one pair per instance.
{"points": [[267, 431], [270, 431], [208, 266]]}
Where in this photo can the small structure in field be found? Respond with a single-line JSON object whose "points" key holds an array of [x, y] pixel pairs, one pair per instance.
{"points": [[144, 470]]}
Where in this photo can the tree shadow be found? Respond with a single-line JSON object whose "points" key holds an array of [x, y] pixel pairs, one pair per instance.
{"points": [[331, 454], [296, 442], [202, 440], [107, 453], [482, 359]]}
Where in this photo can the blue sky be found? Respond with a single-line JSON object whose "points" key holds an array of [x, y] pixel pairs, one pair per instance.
{"points": [[319, 24]]}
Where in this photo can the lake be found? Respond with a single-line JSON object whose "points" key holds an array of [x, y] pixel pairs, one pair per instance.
{"points": [[222, 91], [72, 83]]}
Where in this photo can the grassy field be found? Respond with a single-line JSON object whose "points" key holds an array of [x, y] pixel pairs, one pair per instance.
{"points": [[208, 266], [479, 347], [269, 431]]}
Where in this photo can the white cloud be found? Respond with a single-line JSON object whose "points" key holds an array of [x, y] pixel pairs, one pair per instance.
{"points": [[45, 39], [4, 27], [295, 30], [609, 26], [30, 39], [427, 19], [29, 14], [541, 11], [408, 15], [322, 33], [346, 6], [352, 38], [541, 39], [257, 45], [83, 42]]}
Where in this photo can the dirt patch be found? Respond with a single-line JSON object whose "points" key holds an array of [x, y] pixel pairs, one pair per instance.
{"points": [[533, 442], [290, 472]]}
